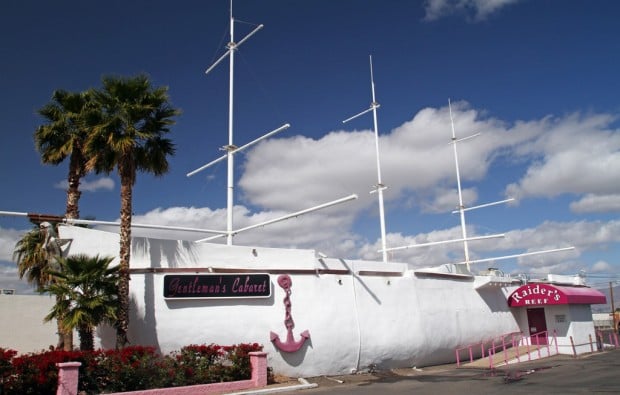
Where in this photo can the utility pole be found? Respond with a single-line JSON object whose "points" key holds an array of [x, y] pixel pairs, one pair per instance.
{"points": [[613, 309]]}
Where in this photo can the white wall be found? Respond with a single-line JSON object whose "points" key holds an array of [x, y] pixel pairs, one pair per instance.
{"points": [[567, 321], [21, 323], [582, 328], [388, 317]]}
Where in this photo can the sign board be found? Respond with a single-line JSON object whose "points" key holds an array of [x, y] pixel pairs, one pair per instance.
{"points": [[536, 295], [541, 294], [217, 286]]}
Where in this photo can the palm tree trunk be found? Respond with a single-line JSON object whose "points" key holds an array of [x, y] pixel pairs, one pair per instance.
{"points": [[87, 338], [60, 345], [76, 166], [124, 254]]}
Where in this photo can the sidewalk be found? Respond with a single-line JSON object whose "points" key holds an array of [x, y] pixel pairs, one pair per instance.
{"points": [[596, 372]]}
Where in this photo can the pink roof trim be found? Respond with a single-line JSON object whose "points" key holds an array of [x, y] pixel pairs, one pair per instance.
{"points": [[541, 294], [583, 295]]}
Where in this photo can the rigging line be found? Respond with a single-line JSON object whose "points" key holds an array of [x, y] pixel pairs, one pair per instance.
{"points": [[224, 38], [210, 176], [220, 46], [253, 24]]}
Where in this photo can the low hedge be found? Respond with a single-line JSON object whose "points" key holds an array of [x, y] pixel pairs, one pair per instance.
{"points": [[129, 369]]}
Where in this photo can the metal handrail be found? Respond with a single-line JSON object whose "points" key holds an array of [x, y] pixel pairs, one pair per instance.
{"points": [[525, 340], [481, 344]]}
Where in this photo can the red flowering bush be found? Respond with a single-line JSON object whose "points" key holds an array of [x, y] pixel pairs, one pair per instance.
{"points": [[36, 373], [129, 369], [196, 364], [240, 360], [202, 364], [6, 368]]}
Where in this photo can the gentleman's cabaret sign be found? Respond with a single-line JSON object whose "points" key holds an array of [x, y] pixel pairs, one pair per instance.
{"points": [[217, 286]]}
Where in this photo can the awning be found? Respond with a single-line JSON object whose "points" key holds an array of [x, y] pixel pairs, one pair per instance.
{"points": [[541, 294]]}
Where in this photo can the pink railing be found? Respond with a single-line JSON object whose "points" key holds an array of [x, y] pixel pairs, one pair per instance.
{"points": [[524, 341], [499, 346], [472, 349], [612, 337]]}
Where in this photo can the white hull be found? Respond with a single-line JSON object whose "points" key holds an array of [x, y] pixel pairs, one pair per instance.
{"points": [[359, 314]]}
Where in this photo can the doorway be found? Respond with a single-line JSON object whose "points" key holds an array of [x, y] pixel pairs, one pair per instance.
{"points": [[537, 324]]}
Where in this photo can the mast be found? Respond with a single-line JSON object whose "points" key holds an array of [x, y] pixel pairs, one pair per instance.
{"points": [[461, 207], [461, 210], [230, 186], [379, 188], [230, 148]]}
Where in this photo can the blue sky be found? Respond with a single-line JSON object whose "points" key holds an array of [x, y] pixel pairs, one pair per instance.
{"points": [[537, 79]]}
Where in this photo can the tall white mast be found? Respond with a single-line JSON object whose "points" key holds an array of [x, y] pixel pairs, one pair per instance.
{"points": [[379, 187], [230, 158], [461, 210], [230, 148], [461, 207]]}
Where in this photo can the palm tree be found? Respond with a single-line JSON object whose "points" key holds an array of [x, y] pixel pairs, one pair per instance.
{"points": [[128, 135], [34, 262], [85, 288], [32, 259], [63, 136]]}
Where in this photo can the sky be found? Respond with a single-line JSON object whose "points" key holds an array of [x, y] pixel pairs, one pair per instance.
{"points": [[537, 79]]}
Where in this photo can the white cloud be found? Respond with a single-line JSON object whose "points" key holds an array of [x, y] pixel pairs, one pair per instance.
{"points": [[104, 183], [9, 278], [584, 236], [477, 10], [343, 162], [576, 154], [8, 239], [592, 203], [446, 200], [602, 267], [290, 174], [326, 230]]}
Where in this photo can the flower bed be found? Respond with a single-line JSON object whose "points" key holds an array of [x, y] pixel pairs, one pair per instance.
{"points": [[129, 369]]}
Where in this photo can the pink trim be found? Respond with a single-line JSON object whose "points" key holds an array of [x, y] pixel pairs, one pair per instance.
{"points": [[290, 345], [68, 374], [258, 361], [541, 294]]}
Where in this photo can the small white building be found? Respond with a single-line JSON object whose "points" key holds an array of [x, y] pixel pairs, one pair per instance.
{"points": [[22, 327], [546, 311]]}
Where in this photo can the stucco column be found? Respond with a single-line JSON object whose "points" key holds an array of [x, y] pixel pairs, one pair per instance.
{"points": [[258, 361], [68, 373]]}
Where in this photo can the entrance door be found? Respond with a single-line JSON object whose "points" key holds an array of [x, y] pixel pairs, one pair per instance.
{"points": [[537, 323]]}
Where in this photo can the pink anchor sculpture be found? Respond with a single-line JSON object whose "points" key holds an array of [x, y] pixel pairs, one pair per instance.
{"points": [[290, 345]]}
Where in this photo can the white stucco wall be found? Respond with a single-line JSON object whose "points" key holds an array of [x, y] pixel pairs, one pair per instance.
{"points": [[565, 321], [22, 327], [582, 328], [388, 317]]}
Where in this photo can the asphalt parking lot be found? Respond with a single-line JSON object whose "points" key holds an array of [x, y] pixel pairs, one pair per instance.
{"points": [[561, 374]]}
